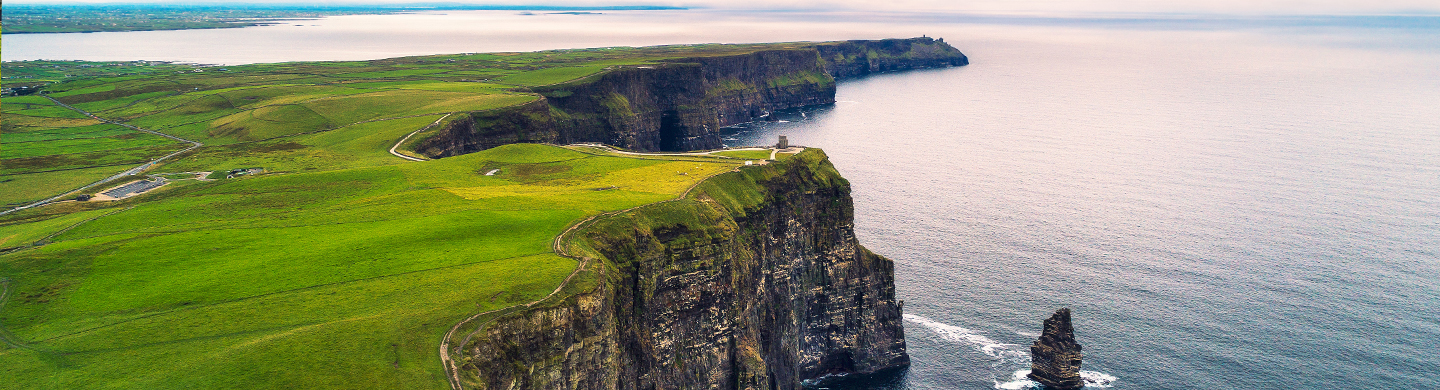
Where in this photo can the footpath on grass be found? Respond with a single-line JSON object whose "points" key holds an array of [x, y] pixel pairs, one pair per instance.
{"points": [[447, 345], [412, 134]]}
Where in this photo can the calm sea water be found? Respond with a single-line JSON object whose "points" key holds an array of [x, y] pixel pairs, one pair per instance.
{"points": [[1225, 203]]}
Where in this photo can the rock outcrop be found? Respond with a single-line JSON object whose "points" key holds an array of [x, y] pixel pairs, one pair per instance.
{"points": [[1055, 357], [681, 104], [755, 281]]}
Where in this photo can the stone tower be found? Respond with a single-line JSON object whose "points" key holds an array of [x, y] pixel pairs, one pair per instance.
{"points": [[1055, 357], [783, 144]]}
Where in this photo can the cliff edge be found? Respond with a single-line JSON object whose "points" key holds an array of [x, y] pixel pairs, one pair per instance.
{"points": [[753, 281], [681, 104]]}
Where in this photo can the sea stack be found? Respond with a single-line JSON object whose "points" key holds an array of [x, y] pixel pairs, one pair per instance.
{"points": [[1055, 357]]}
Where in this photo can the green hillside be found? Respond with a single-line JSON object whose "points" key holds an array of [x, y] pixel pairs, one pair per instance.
{"points": [[339, 265], [343, 278], [284, 117]]}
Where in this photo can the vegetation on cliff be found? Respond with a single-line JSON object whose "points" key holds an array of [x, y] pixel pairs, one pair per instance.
{"points": [[340, 264], [681, 104], [338, 278], [291, 116], [753, 280]]}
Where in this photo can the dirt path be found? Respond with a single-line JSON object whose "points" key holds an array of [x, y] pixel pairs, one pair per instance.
{"points": [[128, 172], [706, 153], [412, 134], [452, 373]]}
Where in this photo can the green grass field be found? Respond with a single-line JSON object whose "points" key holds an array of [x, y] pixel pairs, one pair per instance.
{"points": [[16, 189], [746, 154], [341, 278], [552, 75], [340, 266]]}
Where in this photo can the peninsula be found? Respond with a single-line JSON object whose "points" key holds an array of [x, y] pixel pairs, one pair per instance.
{"points": [[462, 221]]}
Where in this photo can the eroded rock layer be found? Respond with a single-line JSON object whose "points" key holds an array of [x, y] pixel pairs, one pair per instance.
{"points": [[1055, 356], [755, 282], [681, 104]]}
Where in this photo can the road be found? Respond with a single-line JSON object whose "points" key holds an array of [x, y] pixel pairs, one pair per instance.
{"points": [[128, 172]]}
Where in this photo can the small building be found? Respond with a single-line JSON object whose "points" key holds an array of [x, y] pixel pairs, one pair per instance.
{"points": [[783, 144]]}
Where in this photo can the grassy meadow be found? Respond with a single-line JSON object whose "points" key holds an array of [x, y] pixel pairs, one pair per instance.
{"points": [[342, 278], [300, 115], [339, 266]]}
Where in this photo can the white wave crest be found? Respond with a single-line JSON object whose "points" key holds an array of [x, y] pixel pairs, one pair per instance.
{"points": [[1019, 381], [981, 343], [1097, 379], [1003, 353]]}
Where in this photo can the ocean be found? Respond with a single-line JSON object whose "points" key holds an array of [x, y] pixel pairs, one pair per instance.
{"points": [[1224, 202]]}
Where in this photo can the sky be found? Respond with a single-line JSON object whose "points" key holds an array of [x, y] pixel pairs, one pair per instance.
{"points": [[1243, 7]]}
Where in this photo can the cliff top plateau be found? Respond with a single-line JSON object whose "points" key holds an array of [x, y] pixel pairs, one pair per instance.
{"points": [[309, 234]]}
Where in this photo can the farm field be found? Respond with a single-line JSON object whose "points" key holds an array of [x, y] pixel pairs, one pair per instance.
{"points": [[339, 265]]}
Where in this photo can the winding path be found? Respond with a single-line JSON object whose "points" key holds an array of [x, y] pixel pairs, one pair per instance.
{"points": [[131, 171], [452, 373], [412, 134]]}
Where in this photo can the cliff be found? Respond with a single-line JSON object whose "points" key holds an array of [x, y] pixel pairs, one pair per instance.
{"points": [[754, 281], [681, 104], [849, 59]]}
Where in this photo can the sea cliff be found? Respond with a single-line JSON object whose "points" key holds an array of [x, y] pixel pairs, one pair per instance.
{"points": [[681, 104], [753, 281]]}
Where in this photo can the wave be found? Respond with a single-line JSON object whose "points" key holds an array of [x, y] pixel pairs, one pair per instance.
{"points": [[985, 345], [1003, 353], [1019, 381]]}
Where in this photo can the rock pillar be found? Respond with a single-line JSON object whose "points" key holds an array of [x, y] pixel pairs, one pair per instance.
{"points": [[1055, 357]]}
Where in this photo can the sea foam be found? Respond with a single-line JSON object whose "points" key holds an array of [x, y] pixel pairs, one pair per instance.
{"points": [[1002, 353], [985, 345], [1019, 381]]}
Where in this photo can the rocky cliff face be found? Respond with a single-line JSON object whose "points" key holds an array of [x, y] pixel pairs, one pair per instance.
{"points": [[681, 104], [754, 282], [848, 59], [1055, 356], [677, 105]]}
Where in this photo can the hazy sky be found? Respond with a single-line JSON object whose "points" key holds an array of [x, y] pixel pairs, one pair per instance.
{"points": [[987, 6]]}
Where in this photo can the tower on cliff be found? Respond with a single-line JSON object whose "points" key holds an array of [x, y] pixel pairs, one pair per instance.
{"points": [[783, 144], [1055, 357]]}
